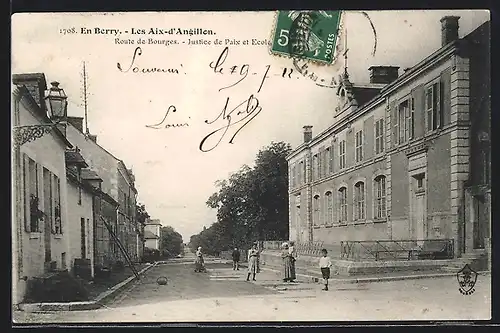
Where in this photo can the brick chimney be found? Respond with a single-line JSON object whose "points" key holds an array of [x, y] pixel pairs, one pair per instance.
{"points": [[308, 133], [93, 137], [36, 85], [77, 122], [449, 29], [383, 74]]}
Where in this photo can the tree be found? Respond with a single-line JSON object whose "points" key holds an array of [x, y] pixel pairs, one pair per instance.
{"points": [[252, 204], [171, 242], [141, 213]]}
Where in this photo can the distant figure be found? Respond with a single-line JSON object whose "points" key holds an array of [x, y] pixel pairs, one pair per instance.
{"points": [[293, 255], [324, 264], [236, 259], [253, 253], [199, 264], [288, 272]]}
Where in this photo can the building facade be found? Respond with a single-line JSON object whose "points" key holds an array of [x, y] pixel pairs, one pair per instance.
{"points": [[40, 222], [80, 211], [397, 159], [118, 183], [152, 231]]}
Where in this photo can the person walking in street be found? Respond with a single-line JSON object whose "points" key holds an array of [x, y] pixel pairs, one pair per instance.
{"points": [[288, 274], [252, 262], [293, 255], [199, 264], [236, 259], [324, 264]]}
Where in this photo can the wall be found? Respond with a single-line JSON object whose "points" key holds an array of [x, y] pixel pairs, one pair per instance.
{"points": [[439, 188], [98, 159], [126, 213], [75, 213], [48, 152], [152, 244], [392, 162]]}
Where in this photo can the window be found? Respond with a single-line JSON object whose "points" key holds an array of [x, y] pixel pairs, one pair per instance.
{"points": [[380, 212], [57, 227], [293, 175], [412, 118], [315, 167], [316, 210], [342, 154], [320, 165], [359, 201], [359, 146], [331, 152], [343, 204], [329, 208], [79, 173], [33, 195], [48, 197], [420, 182], [379, 136], [433, 107], [404, 122], [326, 154], [299, 173]]}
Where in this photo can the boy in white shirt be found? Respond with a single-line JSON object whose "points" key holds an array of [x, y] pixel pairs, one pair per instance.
{"points": [[324, 264]]}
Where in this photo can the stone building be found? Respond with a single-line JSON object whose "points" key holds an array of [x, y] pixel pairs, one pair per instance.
{"points": [[152, 231], [118, 183], [406, 157], [40, 218]]}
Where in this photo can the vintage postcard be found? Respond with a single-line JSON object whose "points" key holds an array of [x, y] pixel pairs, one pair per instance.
{"points": [[272, 166]]}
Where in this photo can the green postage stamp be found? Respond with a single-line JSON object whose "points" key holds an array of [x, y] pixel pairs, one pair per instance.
{"points": [[307, 34]]}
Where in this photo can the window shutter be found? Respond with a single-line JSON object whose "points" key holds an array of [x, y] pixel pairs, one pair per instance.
{"points": [[394, 120], [428, 107], [26, 193], [411, 120], [304, 171], [332, 158], [437, 92], [419, 108]]}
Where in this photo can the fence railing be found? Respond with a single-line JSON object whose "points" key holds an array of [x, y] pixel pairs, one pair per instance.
{"points": [[304, 248], [384, 250]]}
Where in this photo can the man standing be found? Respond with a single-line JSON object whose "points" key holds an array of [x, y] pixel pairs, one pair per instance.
{"points": [[236, 259]]}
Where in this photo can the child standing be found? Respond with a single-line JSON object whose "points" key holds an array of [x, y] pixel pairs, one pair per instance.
{"points": [[324, 264]]}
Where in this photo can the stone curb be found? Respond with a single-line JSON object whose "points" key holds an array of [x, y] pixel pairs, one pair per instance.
{"points": [[81, 306]]}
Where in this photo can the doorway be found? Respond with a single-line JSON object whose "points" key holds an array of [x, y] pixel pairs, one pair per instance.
{"points": [[418, 209], [83, 238], [480, 222]]}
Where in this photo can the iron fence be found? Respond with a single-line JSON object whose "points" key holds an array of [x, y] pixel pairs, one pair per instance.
{"points": [[384, 250], [303, 248]]}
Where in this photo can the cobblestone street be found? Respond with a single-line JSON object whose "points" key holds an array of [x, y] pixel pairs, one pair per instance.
{"points": [[222, 294]]}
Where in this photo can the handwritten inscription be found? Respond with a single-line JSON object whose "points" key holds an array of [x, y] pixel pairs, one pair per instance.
{"points": [[162, 123], [241, 70], [140, 70], [245, 112]]}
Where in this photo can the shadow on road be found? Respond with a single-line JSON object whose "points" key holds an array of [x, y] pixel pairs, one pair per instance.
{"points": [[185, 284]]}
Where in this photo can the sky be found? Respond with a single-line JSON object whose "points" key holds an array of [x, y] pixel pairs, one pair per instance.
{"points": [[174, 177]]}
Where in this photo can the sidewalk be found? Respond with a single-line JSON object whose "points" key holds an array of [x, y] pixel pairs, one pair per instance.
{"points": [[311, 276], [86, 305]]}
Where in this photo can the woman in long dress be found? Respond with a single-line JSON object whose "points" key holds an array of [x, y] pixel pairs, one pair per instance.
{"points": [[288, 271], [199, 265], [252, 262], [293, 254]]}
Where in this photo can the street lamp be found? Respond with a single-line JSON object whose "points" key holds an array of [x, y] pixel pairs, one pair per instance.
{"points": [[57, 106], [56, 102]]}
